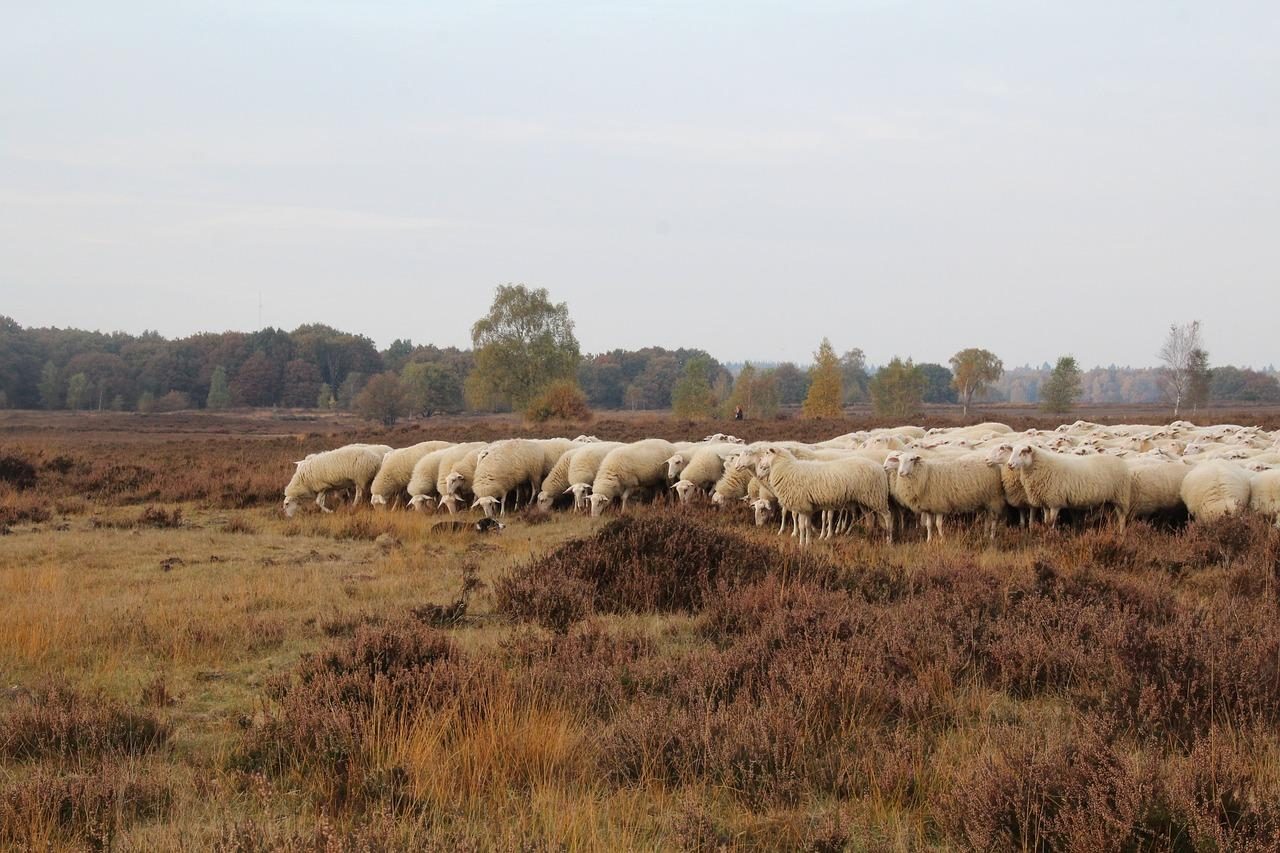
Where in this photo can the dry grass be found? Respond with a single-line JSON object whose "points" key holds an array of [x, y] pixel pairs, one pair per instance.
{"points": [[229, 679]]}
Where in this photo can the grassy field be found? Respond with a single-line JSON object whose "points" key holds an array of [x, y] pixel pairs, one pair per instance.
{"points": [[181, 667]]}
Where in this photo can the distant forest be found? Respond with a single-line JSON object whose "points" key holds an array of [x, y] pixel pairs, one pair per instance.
{"points": [[317, 366]]}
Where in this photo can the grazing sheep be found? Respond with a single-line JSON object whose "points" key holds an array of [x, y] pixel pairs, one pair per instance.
{"points": [[804, 487], [938, 487], [393, 477], [642, 464], [556, 484], [457, 481], [506, 466], [464, 455], [701, 468], [344, 468], [733, 486], [422, 484], [1264, 495], [583, 467], [1054, 482], [1215, 488]]}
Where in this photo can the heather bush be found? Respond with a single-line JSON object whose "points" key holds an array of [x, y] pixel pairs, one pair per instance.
{"points": [[60, 723]]}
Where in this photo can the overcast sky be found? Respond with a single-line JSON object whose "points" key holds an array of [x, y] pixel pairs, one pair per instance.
{"points": [[908, 177]]}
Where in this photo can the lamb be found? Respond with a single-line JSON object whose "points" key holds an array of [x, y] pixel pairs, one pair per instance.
{"points": [[346, 467], [1054, 482], [1264, 495], [506, 466], [805, 487], [935, 488], [1157, 487], [1215, 488], [629, 468], [583, 467], [397, 470]]}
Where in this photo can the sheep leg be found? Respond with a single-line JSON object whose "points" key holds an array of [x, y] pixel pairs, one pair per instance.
{"points": [[886, 518], [359, 495], [937, 521], [782, 527], [1051, 516], [320, 496], [626, 493]]}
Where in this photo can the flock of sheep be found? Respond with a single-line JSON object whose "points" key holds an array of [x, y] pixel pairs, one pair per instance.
{"points": [[890, 476]]}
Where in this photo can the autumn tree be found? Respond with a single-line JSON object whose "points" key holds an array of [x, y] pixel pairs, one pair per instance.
{"points": [[523, 344], [1063, 388], [51, 392], [826, 388], [219, 392], [692, 396], [1178, 357], [897, 389], [973, 371], [381, 399], [77, 391]]}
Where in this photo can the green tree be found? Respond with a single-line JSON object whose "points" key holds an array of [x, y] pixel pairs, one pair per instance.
{"points": [[973, 371], [692, 396], [765, 401], [826, 391], [77, 392], [219, 391], [381, 399], [1063, 388], [146, 402], [937, 384], [523, 344], [792, 382], [51, 394], [897, 389], [430, 387], [853, 367]]}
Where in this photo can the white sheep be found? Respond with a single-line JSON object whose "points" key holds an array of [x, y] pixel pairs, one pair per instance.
{"points": [[397, 470], [1014, 495], [505, 467], [1156, 486], [938, 487], [422, 487], [582, 470], [1264, 494], [701, 468], [1215, 488], [556, 483], [343, 468], [804, 487], [627, 469], [1054, 482], [460, 459]]}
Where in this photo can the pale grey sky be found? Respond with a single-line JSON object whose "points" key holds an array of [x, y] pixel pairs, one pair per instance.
{"points": [[908, 177]]}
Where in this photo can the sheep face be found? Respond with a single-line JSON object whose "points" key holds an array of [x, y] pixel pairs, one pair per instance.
{"points": [[378, 500], [908, 463], [675, 465], [581, 491], [290, 507], [451, 503], [453, 482], [999, 454], [598, 505], [686, 490], [420, 502], [489, 504], [1022, 458], [717, 500], [763, 511], [892, 461], [545, 500]]}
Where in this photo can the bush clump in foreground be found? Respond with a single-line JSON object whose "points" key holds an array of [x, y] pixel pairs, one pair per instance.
{"points": [[659, 561]]}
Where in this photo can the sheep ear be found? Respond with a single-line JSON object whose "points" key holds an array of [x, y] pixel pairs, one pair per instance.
{"points": [[568, 490]]}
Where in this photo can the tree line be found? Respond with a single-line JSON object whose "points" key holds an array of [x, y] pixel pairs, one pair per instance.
{"points": [[525, 357]]}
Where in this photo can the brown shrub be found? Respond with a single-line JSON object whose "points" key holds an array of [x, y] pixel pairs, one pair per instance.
{"points": [[84, 808], [659, 561], [559, 401], [17, 472], [57, 722]]}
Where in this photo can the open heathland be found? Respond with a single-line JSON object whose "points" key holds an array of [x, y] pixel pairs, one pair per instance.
{"points": [[182, 667]]}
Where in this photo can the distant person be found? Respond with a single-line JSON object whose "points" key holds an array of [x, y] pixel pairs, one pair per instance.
{"points": [[737, 413]]}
